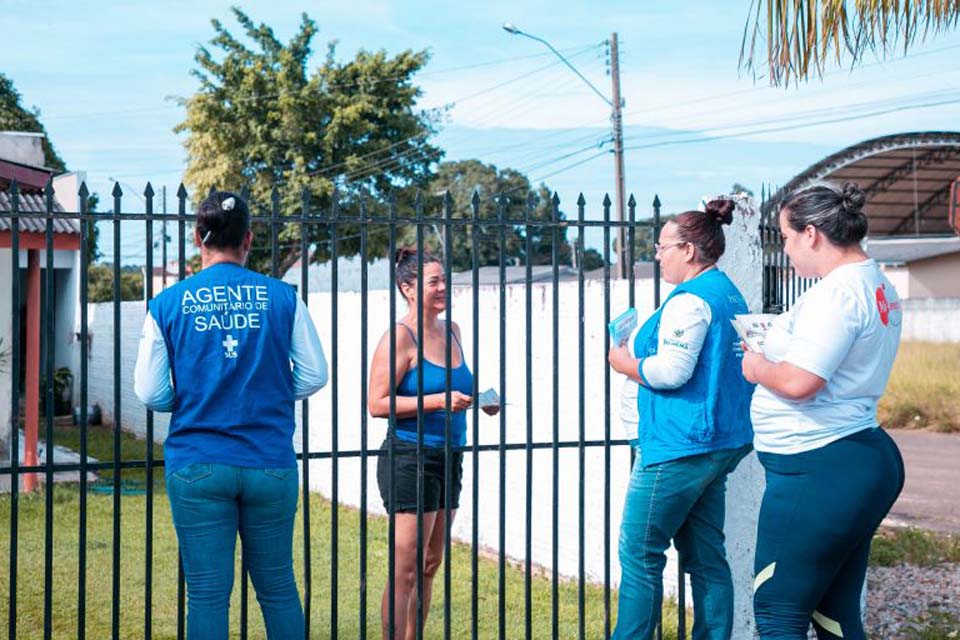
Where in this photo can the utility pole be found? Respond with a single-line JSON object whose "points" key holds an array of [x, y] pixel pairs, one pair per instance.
{"points": [[616, 121], [617, 118]]}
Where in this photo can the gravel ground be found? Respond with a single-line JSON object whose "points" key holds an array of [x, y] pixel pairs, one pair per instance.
{"points": [[898, 596]]}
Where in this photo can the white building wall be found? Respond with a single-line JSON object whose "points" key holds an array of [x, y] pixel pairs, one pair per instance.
{"points": [[6, 334]]}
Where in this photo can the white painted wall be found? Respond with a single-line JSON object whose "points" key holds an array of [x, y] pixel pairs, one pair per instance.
{"points": [[931, 320], [22, 147], [6, 330]]}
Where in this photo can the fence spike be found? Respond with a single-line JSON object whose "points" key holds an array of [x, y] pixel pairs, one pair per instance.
{"points": [[581, 201], [48, 187], [117, 191], [182, 192], [83, 192], [631, 202], [148, 191], [656, 201]]}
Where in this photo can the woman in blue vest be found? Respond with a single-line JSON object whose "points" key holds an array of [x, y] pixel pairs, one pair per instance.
{"points": [[832, 473], [398, 485], [694, 429], [216, 351]]}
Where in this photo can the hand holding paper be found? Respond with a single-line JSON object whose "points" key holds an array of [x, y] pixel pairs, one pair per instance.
{"points": [[489, 402]]}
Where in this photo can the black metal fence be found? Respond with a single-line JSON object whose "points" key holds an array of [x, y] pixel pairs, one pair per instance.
{"points": [[781, 284], [490, 221]]}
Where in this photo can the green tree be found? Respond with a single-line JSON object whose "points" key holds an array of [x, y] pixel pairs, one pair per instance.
{"points": [[16, 117], [801, 36], [100, 283], [261, 119], [462, 179]]}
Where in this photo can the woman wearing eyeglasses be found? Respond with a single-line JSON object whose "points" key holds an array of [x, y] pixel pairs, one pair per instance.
{"points": [[694, 428]]}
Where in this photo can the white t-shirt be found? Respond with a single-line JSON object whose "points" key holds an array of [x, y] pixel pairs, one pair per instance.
{"points": [[846, 330], [684, 323]]}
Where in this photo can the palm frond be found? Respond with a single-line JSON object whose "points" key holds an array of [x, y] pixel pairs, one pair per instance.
{"points": [[803, 35]]}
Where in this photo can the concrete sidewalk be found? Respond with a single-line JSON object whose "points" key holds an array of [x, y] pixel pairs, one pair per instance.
{"points": [[931, 495]]}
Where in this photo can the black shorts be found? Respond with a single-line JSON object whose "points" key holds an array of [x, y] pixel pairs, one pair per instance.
{"points": [[405, 477]]}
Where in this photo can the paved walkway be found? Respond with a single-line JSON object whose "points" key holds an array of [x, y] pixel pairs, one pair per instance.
{"points": [[931, 495]]}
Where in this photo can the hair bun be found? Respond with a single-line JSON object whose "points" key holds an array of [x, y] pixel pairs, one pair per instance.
{"points": [[720, 210], [852, 199]]}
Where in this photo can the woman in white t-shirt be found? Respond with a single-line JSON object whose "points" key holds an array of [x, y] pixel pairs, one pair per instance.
{"points": [[831, 473]]}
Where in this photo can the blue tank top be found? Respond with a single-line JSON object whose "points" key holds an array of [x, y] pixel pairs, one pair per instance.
{"points": [[435, 381], [228, 333]]}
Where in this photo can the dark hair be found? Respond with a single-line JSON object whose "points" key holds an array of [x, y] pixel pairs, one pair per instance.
{"points": [[704, 229], [222, 220], [405, 265], [835, 211]]}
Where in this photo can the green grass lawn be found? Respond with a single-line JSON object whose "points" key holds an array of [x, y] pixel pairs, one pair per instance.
{"points": [[30, 570], [30, 584], [923, 388]]}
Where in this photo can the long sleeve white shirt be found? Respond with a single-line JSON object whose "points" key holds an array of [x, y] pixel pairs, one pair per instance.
{"points": [[683, 328], [152, 379]]}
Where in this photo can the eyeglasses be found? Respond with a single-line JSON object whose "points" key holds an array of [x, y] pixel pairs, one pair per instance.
{"points": [[659, 248]]}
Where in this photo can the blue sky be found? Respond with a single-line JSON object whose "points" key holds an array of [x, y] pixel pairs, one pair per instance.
{"points": [[101, 74]]}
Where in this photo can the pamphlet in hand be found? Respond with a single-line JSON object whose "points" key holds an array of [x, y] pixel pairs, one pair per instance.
{"points": [[752, 328], [489, 401], [622, 326]]}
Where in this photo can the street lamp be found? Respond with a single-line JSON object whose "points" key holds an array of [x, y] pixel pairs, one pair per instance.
{"points": [[616, 120]]}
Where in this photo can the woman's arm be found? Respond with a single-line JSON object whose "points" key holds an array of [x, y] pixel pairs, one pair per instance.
{"points": [[306, 353], [378, 391], [151, 375], [784, 379], [683, 328], [824, 329]]}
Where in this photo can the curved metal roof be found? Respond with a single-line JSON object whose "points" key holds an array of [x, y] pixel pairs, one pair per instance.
{"points": [[906, 177]]}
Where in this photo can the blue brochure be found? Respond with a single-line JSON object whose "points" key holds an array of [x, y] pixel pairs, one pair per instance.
{"points": [[622, 326]]}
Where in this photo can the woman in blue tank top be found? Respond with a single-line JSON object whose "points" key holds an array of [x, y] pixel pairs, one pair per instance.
{"points": [[398, 483]]}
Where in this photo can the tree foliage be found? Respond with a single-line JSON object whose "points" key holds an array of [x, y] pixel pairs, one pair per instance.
{"points": [[802, 36], [498, 188], [15, 117], [262, 121], [100, 283]]}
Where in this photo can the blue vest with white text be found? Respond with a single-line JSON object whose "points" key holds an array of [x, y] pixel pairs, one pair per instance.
{"points": [[228, 333], [711, 411]]}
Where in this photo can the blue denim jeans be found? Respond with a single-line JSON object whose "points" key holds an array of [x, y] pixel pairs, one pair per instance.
{"points": [[211, 503], [682, 500]]}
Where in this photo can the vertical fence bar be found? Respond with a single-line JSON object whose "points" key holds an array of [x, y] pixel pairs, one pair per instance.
{"points": [[418, 212], [87, 227], [391, 460], [503, 203], [363, 416], [181, 274], [475, 449], [656, 263], [632, 248], [117, 382], [656, 305], [581, 422], [528, 326], [305, 213], [49, 352], [14, 407], [148, 514], [555, 445], [334, 417], [606, 419], [448, 435]]}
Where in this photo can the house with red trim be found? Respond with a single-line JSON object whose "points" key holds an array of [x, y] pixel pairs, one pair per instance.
{"points": [[25, 179]]}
